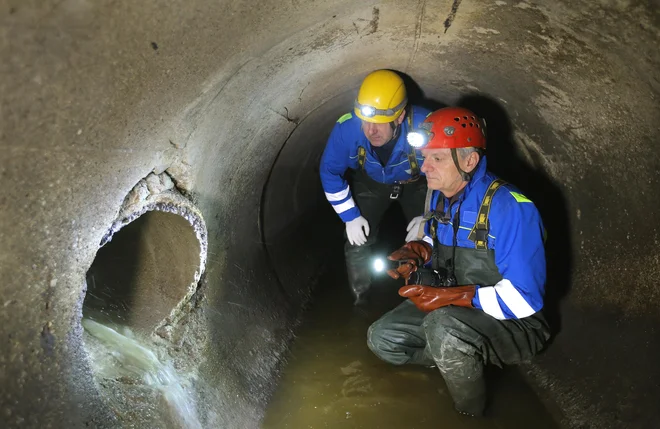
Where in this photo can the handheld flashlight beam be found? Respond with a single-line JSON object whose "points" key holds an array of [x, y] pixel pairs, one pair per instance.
{"points": [[380, 265]]}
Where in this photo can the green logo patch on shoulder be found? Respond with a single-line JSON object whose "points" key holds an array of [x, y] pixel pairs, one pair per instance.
{"points": [[345, 118], [520, 197]]}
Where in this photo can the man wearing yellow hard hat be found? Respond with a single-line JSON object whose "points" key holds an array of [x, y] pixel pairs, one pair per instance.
{"points": [[369, 149]]}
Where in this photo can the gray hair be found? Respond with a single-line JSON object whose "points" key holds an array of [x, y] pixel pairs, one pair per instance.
{"points": [[464, 152]]}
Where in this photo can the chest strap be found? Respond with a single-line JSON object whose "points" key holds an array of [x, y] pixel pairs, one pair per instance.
{"points": [[479, 232], [362, 156]]}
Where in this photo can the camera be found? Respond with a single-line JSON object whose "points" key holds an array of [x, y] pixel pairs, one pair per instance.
{"points": [[430, 277], [421, 276]]}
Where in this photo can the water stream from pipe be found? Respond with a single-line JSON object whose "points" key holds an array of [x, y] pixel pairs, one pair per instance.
{"points": [[129, 370]]}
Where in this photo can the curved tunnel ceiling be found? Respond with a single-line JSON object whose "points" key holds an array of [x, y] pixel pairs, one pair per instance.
{"points": [[95, 97]]}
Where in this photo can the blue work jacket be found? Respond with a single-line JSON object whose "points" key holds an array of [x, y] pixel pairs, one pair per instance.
{"points": [[516, 234], [341, 153]]}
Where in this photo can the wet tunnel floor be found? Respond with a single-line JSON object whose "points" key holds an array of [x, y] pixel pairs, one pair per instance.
{"points": [[332, 380]]}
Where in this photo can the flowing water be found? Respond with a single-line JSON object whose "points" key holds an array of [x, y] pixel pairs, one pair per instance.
{"points": [[134, 378]]}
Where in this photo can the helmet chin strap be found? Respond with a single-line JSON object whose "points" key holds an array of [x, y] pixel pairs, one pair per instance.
{"points": [[396, 129], [465, 176]]}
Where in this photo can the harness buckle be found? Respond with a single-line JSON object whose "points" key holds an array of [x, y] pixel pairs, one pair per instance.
{"points": [[441, 217], [481, 238], [397, 188]]}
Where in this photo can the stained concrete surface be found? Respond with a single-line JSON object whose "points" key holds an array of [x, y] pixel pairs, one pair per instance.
{"points": [[95, 96]]}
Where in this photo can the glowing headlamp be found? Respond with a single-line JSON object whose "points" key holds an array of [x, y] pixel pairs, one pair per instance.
{"points": [[368, 111], [421, 136], [416, 139]]}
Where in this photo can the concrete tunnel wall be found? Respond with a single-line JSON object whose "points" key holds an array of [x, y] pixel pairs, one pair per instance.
{"points": [[95, 96]]}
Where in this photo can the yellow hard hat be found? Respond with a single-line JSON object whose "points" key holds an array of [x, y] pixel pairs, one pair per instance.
{"points": [[382, 97]]}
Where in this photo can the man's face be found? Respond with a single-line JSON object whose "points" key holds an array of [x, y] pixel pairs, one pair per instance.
{"points": [[441, 173], [377, 134], [380, 134]]}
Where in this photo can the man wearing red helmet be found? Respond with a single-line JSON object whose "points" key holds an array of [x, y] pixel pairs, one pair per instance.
{"points": [[475, 281]]}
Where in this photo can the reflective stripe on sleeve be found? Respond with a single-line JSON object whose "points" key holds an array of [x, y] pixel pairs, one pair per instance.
{"points": [[489, 303], [338, 196], [346, 205], [513, 299]]}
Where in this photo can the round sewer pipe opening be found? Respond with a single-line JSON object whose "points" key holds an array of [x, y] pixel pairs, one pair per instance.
{"points": [[141, 276], [142, 282]]}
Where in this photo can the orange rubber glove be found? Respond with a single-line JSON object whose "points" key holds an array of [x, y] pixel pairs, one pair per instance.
{"points": [[428, 298], [411, 256]]}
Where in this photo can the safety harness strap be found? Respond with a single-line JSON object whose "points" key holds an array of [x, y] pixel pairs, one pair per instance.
{"points": [[479, 233], [412, 156], [362, 156]]}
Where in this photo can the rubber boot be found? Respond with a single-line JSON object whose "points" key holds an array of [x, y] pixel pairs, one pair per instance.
{"points": [[468, 392], [453, 345], [359, 270]]}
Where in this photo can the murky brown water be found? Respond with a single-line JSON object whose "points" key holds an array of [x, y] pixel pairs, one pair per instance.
{"points": [[333, 380]]}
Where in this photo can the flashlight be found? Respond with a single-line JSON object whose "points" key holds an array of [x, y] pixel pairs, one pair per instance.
{"points": [[380, 265]]}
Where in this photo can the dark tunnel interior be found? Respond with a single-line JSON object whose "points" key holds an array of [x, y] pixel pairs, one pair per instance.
{"points": [[504, 159]]}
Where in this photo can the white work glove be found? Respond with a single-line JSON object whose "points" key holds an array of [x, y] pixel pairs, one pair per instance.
{"points": [[354, 230], [413, 228]]}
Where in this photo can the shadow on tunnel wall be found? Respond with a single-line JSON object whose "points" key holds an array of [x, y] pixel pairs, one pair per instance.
{"points": [[506, 161], [416, 95]]}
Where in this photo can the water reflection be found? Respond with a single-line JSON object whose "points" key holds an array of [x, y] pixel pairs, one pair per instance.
{"points": [[333, 380]]}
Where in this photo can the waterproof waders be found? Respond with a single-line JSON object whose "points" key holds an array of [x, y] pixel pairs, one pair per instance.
{"points": [[373, 199], [459, 340]]}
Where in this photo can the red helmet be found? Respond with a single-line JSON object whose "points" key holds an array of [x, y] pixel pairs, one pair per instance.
{"points": [[449, 128]]}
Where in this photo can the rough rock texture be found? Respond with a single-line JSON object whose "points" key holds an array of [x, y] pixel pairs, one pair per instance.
{"points": [[95, 96]]}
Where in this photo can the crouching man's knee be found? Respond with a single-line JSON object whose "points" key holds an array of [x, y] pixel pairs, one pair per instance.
{"points": [[376, 341], [449, 338], [386, 343]]}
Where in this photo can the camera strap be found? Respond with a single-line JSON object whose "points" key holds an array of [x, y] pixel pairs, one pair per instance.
{"points": [[439, 216]]}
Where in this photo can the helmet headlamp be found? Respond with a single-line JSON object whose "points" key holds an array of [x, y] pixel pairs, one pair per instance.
{"points": [[370, 111], [421, 136]]}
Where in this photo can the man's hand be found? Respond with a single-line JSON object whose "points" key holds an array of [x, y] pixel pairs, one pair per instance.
{"points": [[357, 231], [428, 298], [411, 256], [413, 228]]}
